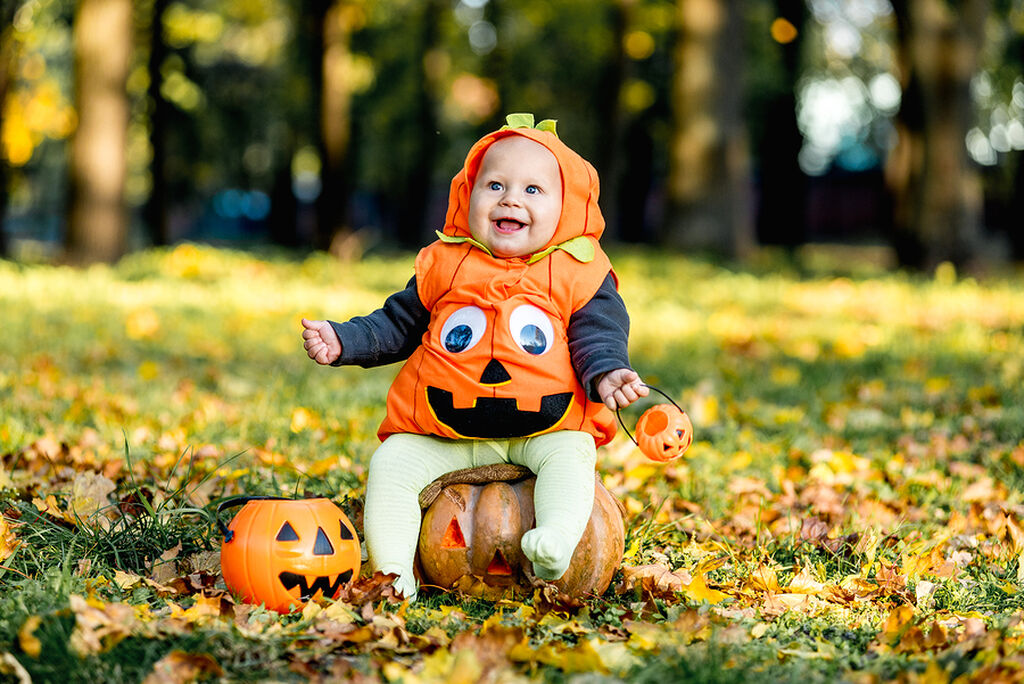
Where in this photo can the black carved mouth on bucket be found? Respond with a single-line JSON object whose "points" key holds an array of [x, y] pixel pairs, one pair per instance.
{"points": [[497, 418], [323, 583]]}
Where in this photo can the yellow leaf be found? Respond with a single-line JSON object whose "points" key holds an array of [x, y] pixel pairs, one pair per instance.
{"points": [[148, 370], [461, 667], [764, 579], [126, 580], [699, 591], [584, 657], [8, 541], [897, 622], [27, 638], [142, 324], [804, 583], [304, 419]]}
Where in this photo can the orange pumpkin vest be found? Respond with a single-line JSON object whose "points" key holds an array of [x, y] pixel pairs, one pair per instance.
{"points": [[494, 362]]}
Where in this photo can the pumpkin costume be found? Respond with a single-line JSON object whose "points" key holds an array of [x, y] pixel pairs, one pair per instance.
{"points": [[503, 355]]}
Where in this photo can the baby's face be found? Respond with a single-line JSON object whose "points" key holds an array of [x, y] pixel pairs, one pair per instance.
{"points": [[517, 198]]}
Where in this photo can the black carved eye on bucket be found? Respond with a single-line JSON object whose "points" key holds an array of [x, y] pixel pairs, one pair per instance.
{"points": [[463, 329]]}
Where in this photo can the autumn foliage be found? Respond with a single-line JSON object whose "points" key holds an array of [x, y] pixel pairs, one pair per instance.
{"points": [[850, 507]]}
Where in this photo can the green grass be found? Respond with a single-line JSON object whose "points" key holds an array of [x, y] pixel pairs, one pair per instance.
{"points": [[874, 403]]}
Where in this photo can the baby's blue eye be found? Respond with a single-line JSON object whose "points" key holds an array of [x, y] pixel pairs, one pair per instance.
{"points": [[495, 186], [532, 189]]}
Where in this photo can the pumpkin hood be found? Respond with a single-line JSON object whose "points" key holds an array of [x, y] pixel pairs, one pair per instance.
{"points": [[581, 215]]}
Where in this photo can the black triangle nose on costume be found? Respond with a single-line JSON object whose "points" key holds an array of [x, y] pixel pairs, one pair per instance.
{"points": [[494, 374]]}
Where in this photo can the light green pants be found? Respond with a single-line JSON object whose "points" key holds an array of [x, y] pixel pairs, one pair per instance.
{"points": [[404, 464]]}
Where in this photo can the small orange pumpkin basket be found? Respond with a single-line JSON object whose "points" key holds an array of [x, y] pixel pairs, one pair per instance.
{"points": [[284, 552], [663, 432]]}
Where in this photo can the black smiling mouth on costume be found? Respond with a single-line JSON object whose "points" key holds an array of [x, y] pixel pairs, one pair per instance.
{"points": [[497, 418], [322, 583]]}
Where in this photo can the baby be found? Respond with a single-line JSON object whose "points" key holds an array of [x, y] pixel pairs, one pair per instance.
{"points": [[514, 340]]}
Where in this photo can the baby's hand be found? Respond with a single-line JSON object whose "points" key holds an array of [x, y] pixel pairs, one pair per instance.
{"points": [[620, 388], [321, 342]]}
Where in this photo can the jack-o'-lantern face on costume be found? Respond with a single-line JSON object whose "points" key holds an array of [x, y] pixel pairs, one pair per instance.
{"points": [[484, 351], [495, 362]]}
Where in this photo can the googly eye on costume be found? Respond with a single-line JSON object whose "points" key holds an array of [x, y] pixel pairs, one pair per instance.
{"points": [[531, 329], [463, 329]]}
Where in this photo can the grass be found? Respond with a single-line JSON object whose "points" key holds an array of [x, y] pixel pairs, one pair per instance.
{"points": [[883, 410]]}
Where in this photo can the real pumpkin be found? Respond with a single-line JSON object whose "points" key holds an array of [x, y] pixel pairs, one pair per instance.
{"points": [[475, 530]]}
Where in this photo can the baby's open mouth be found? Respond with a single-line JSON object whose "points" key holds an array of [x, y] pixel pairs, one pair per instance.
{"points": [[507, 225]]}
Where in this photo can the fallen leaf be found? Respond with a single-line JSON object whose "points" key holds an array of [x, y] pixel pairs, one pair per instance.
{"points": [[178, 667], [98, 626], [27, 639], [763, 578], [90, 494]]}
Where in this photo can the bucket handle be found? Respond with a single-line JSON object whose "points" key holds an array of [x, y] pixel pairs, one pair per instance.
{"points": [[618, 412], [239, 501]]}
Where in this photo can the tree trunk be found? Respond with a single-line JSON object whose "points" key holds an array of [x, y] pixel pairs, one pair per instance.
{"points": [[612, 120], [708, 205], [102, 44], [7, 65], [156, 207], [782, 209], [337, 24], [415, 196], [937, 196]]}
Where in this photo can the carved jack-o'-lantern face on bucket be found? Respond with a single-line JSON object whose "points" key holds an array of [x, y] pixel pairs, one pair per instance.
{"points": [[282, 552]]}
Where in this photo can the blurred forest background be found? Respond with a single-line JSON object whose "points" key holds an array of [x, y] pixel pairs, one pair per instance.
{"points": [[716, 125]]}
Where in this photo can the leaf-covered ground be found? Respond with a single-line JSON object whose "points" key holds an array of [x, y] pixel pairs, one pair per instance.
{"points": [[851, 507]]}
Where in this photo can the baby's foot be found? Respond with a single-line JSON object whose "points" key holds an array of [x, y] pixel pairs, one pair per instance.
{"points": [[549, 552], [404, 583]]}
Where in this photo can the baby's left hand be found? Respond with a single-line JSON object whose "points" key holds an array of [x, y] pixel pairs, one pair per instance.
{"points": [[620, 388]]}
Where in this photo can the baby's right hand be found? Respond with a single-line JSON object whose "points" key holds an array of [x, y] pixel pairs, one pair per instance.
{"points": [[321, 342]]}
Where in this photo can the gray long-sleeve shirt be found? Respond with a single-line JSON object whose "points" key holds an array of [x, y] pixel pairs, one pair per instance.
{"points": [[598, 334]]}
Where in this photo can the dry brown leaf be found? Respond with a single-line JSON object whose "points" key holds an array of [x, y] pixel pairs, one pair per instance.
{"points": [[364, 590], [90, 494], [778, 604], [99, 626], [178, 667], [655, 579], [165, 568], [813, 530]]}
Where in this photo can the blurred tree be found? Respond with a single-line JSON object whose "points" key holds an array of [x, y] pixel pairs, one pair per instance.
{"points": [[415, 187], [936, 192], [8, 60], [708, 185], [611, 117], [97, 223], [336, 21], [781, 214], [159, 109]]}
